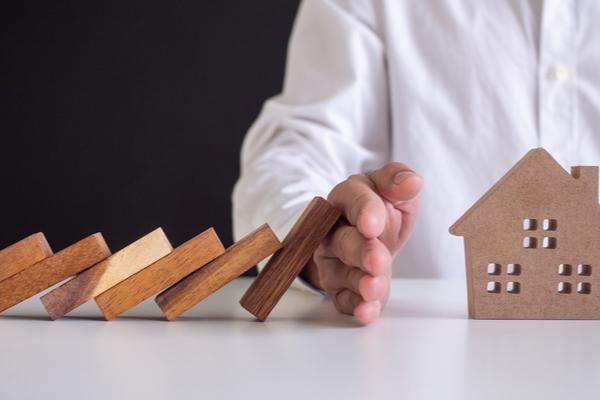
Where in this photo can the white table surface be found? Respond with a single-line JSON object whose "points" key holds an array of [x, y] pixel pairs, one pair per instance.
{"points": [[423, 347]]}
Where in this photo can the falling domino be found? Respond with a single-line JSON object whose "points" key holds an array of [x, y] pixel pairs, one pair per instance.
{"points": [[23, 254], [149, 265], [52, 270], [300, 243], [106, 274], [238, 258], [165, 272]]}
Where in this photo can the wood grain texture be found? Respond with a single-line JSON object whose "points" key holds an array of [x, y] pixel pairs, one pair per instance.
{"points": [[238, 258], [52, 270], [106, 274], [526, 237], [167, 271], [22, 254], [298, 246]]}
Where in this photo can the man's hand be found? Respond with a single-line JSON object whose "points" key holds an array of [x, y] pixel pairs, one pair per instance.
{"points": [[354, 263]]}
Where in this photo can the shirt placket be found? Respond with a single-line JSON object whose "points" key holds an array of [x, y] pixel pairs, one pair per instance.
{"points": [[556, 78]]}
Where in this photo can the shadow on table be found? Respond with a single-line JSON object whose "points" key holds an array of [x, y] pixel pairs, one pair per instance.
{"points": [[320, 315], [316, 320], [25, 317], [421, 310]]}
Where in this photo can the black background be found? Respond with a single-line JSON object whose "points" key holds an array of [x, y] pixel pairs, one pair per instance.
{"points": [[122, 116]]}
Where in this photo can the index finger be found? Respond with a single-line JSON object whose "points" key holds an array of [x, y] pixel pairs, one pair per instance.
{"points": [[361, 205]]}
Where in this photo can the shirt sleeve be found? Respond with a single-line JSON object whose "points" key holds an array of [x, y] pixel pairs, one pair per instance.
{"points": [[330, 121]]}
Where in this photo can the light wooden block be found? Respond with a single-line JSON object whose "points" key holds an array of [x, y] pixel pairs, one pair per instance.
{"points": [[23, 254], [167, 271], [238, 258], [298, 247], [106, 274], [52, 270]]}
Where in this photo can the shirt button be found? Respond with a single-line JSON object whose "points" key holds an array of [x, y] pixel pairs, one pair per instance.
{"points": [[561, 73]]}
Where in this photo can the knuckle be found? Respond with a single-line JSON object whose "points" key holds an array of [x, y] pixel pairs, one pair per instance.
{"points": [[347, 274], [325, 281], [323, 273], [337, 304], [319, 253], [359, 204], [343, 301], [335, 193], [327, 276], [354, 278], [356, 177], [343, 242], [395, 166]]}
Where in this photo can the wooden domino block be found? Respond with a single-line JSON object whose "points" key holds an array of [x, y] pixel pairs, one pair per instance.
{"points": [[202, 283], [301, 242], [182, 261], [106, 274], [22, 254], [52, 270]]}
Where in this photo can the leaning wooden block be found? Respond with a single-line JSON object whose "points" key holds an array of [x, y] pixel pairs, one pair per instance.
{"points": [[52, 270], [106, 274], [237, 259], [22, 254], [182, 261], [301, 242]]}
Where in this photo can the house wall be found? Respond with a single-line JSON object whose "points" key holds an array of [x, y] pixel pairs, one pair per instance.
{"points": [[499, 240]]}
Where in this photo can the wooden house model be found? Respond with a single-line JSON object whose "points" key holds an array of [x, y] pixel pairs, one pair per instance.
{"points": [[532, 243]]}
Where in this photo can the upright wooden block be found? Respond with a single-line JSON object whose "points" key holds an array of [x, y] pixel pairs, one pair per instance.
{"points": [[106, 274], [52, 270], [202, 283], [22, 254], [182, 261], [301, 242]]}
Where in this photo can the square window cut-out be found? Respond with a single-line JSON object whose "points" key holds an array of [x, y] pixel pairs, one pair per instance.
{"points": [[529, 242], [529, 224], [549, 243], [564, 269], [513, 269], [493, 269], [584, 270], [584, 288], [493, 287], [549, 224], [564, 287], [513, 287]]}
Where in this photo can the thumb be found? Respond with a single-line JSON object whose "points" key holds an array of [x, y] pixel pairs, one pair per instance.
{"points": [[396, 182]]}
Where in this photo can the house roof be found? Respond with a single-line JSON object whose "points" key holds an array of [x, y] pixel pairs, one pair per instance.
{"points": [[534, 157]]}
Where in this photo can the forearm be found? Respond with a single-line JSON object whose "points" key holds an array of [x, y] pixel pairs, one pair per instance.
{"points": [[331, 120]]}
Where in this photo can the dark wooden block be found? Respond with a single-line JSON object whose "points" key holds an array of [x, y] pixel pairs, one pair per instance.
{"points": [[298, 247], [202, 283]]}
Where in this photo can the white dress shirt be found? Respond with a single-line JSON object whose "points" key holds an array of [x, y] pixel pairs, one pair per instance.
{"points": [[457, 90]]}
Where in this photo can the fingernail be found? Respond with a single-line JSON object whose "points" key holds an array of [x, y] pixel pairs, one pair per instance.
{"points": [[399, 177]]}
